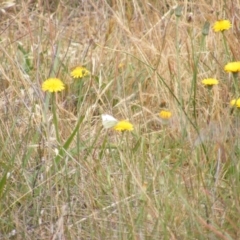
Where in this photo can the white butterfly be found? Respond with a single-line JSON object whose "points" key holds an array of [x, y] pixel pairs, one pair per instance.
{"points": [[108, 121]]}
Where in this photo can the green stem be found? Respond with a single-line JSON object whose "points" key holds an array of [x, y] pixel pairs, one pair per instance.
{"points": [[79, 86], [235, 83], [225, 45], [178, 65], [194, 82], [55, 120], [46, 107]]}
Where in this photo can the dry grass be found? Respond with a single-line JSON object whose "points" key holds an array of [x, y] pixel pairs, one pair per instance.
{"points": [[175, 181]]}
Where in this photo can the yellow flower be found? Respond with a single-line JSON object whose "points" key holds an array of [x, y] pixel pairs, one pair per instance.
{"points": [[221, 25], [79, 72], [209, 82], [121, 65], [53, 85], [232, 67], [235, 103], [123, 125], [165, 115]]}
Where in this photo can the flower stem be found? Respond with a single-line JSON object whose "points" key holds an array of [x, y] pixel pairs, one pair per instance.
{"points": [[79, 86], [235, 83], [225, 45], [55, 120]]}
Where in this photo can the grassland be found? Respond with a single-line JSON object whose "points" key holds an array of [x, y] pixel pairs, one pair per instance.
{"points": [[63, 176]]}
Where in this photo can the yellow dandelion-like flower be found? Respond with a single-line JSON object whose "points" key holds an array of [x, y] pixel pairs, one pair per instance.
{"points": [[121, 65], [209, 82], [79, 72], [53, 85], [232, 67], [235, 103], [123, 125], [165, 115], [221, 25]]}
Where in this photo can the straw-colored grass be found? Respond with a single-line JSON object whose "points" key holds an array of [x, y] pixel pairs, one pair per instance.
{"points": [[64, 176]]}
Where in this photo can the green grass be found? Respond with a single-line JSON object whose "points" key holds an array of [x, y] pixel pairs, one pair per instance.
{"points": [[63, 176]]}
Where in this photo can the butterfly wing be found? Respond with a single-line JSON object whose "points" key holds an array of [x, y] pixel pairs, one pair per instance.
{"points": [[108, 121]]}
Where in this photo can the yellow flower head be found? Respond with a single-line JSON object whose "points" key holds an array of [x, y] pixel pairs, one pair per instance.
{"points": [[123, 125], [221, 25], [232, 67], [165, 115], [53, 85], [235, 103], [121, 65], [79, 72], [209, 82]]}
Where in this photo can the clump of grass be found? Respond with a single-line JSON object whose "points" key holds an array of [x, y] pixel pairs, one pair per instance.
{"points": [[169, 74]]}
